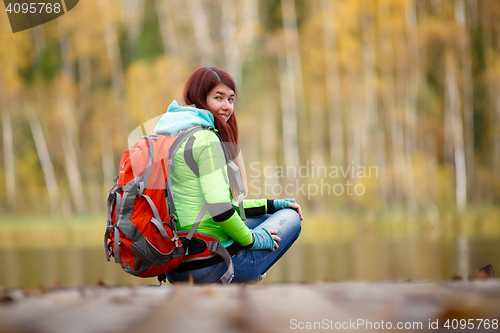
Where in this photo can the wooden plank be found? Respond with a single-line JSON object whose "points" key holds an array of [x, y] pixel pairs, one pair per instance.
{"points": [[211, 308], [423, 303], [84, 310], [288, 307], [264, 308]]}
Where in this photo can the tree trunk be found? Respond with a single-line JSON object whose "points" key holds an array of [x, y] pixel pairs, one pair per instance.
{"points": [[232, 50], [389, 102], [289, 115], [355, 121], [164, 10], [118, 88], [250, 22], [493, 87], [133, 15], [375, 131], [292, 91], [461, 19], [71, 146], [269, 142], [71, 149], [107, 161], [369, 62], [334, 101], [113, 51], [45, 161], [201, 29], [317, 111], [8, 153], [84, 70], [452, 108], [238, 33], [488, 28], [8, 60], [411, 102]]}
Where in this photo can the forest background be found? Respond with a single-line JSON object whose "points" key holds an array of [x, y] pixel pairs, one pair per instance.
{"points": [[406, 89]]}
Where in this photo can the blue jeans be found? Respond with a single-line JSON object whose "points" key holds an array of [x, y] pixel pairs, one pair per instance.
{"points": [[248, 265]]}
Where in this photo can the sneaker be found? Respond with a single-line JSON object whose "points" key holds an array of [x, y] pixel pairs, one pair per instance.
{"points": [[259, 278]]}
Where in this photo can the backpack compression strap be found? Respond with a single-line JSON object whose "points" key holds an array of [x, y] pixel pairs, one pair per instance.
{"points": [[241, 188], [216, 247], [213, 246], [109, 221]]}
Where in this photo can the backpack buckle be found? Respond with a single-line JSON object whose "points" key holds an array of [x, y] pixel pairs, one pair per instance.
{"points": [[177, 241], [213, 247], [140, 189], [173, 218]]}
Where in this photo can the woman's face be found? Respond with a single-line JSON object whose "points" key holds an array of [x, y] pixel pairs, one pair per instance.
{"points": [[220, 100]]}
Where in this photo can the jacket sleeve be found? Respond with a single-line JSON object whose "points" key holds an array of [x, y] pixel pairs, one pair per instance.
{"points": [[208, 154], [256, 207]]}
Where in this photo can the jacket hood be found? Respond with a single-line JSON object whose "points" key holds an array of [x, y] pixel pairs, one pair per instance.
{"points": [[179, 117]]}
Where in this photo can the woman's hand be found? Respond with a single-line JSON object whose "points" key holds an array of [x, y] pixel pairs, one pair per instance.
{"points": [[264, 239], [276, 238], [297, 208], [288, 203]]}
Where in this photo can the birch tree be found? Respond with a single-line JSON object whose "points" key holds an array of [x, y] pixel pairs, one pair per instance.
{"points": [[333, 86], [388, 97], [468, 93], [45, 160], [238, 29], [7, 128], [133, 11], [70, 142], [375, 130], [112, 49], [8, 153], [201, 29], [411, 100], [314, 63], [230, 43], [165, 10], [401, 99], [15, 52], [292, 91], [492, 85], [118, 84], [452, 109]]}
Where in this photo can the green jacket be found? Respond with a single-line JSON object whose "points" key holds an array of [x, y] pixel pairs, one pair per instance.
{"points": [[190, 192]]}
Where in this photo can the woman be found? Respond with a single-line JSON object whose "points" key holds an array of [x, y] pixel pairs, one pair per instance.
{"points": [[271, 227]]}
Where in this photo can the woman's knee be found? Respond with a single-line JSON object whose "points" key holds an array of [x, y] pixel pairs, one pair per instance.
{"points": [[292, 219]]}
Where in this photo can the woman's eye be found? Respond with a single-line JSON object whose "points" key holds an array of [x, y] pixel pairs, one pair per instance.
{"points": [[231, 100]]}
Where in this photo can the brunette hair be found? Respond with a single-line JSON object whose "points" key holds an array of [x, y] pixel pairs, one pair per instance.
{"points": [[196, 90]]}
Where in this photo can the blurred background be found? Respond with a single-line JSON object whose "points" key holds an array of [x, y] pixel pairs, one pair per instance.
{"points": [[381, 117]]}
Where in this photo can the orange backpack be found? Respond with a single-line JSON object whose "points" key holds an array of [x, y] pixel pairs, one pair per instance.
{"points": [[141, 231]]}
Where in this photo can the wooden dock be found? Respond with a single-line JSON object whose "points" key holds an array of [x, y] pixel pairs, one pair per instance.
{"points": [[353, 306]]}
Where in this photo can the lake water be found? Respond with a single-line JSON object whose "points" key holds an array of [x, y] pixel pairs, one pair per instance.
{"points": [[362, 259]]}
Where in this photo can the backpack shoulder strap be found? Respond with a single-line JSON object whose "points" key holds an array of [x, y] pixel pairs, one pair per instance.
{"points": [[181, 137], [239, 182], [189, 158]]}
